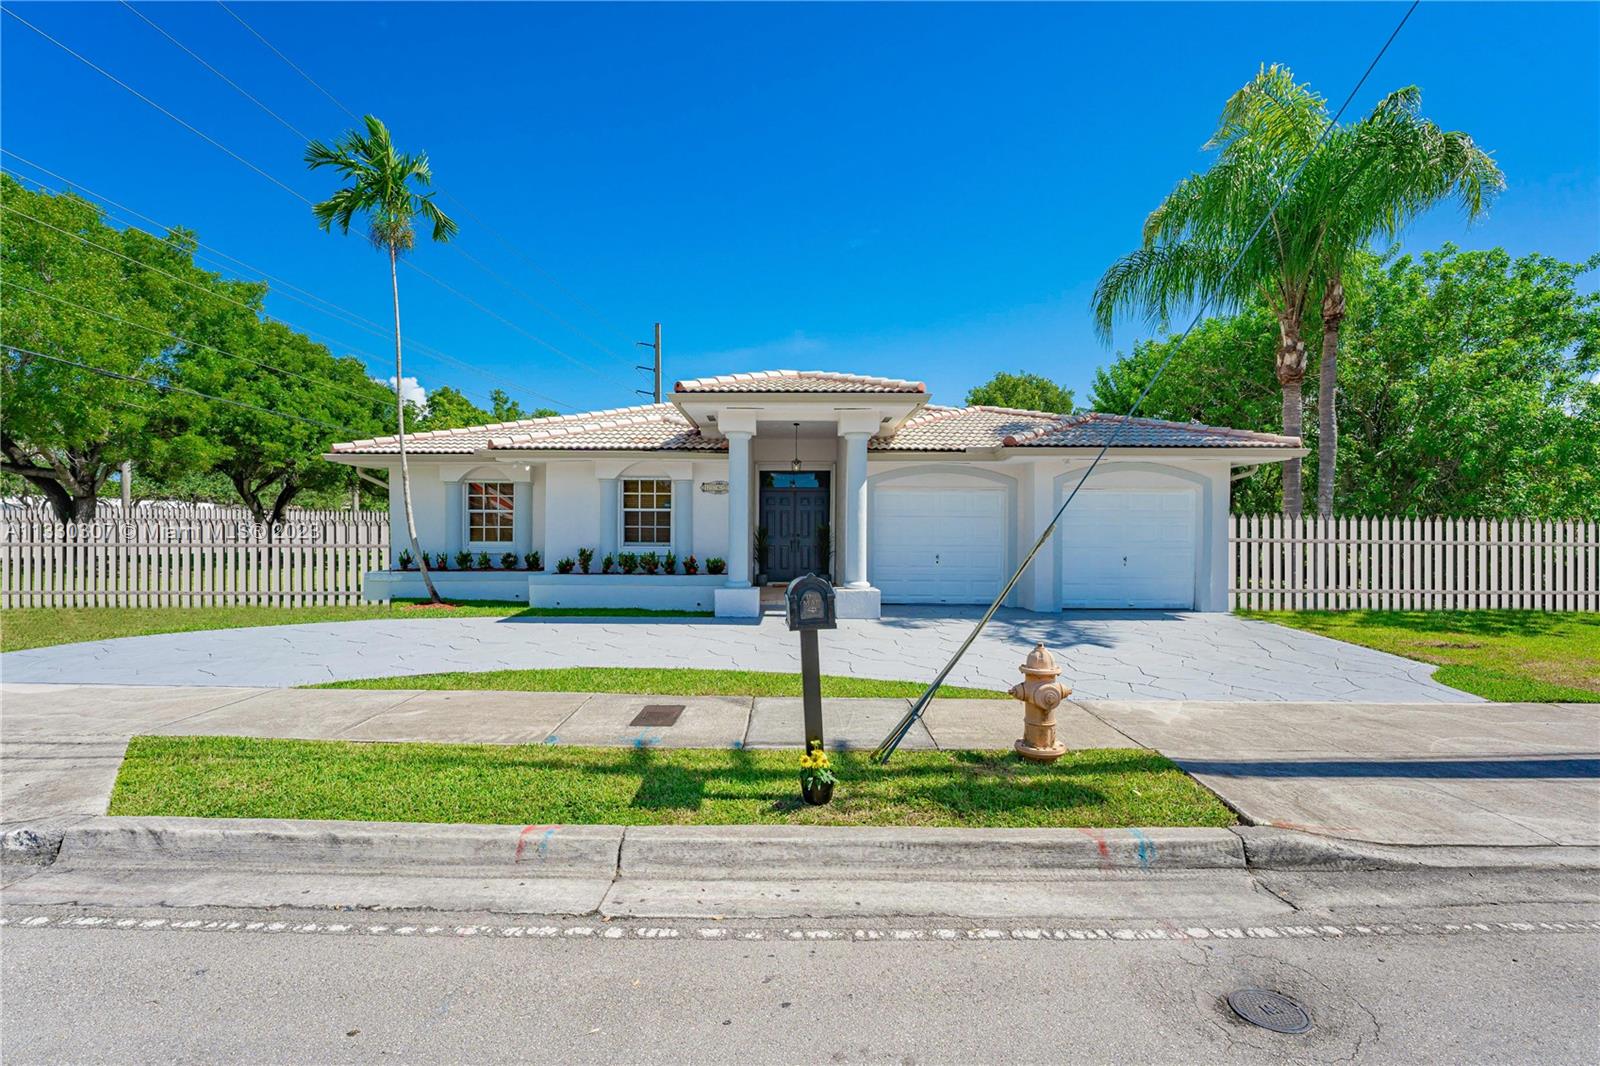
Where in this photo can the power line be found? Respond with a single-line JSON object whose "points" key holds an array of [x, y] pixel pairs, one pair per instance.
{"points": [[168, 387], [518, 290], [232, 84], [516, 386], [360, 322], [574, 360], [466, 210], [192, 129], [892, 741], [169, 114], [289, 61], [311, 379], [541, 271]]}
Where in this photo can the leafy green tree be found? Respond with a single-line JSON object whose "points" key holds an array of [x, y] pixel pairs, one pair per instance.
{"points": [[448, 409], [1221, 376], [270, 460], [82, 329], [1468, 387], [384, 189], [1022, 391], [1371, 177]]}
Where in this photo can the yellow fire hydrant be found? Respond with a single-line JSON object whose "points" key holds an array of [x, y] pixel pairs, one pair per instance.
{"points": [[1040, 694]]}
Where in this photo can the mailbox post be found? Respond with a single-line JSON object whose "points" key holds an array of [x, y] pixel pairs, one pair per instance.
{"points": [[809, 601]]}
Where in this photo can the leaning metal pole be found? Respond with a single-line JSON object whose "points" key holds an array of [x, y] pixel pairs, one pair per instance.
{"points": [[887, 746]]}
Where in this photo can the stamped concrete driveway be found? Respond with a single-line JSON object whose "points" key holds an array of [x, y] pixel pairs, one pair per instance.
{"points": [[1106, 655]]}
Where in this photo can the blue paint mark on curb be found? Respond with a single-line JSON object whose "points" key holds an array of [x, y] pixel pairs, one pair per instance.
{"points": [[1147, 849], [552, 739], [544, 841]]}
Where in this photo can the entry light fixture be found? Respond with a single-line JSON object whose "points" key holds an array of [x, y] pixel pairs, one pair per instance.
{"points": [[795, 463]]}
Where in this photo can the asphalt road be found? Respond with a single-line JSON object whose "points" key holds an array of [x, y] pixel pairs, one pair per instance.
{"points": [[353, 991]]}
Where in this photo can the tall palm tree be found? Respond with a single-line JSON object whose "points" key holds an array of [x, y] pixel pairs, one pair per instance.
{"points": [[1201, 227], [385, 189], [1357, 181], [1367, 180]]}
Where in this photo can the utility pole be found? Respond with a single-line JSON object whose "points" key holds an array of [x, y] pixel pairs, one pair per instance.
{"points": [[125, 478], [657, 367]]}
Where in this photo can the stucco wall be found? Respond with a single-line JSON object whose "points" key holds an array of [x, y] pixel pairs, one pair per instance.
{"points": [[559, 509]]}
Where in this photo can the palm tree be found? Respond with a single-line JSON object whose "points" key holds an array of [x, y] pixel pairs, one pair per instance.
{"points": [[1374, 176], [384, 188], [1367, 180], [1202, 227]]}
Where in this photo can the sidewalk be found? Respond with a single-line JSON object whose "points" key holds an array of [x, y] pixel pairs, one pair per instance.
{"points": [[1472, 775]]}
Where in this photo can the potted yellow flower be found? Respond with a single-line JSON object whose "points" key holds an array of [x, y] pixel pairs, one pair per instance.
{"points": [[816, 777]]}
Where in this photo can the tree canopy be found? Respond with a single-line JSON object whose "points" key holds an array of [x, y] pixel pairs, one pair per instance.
{"points": [[1023, 391], [118, 347], [1468, 387]]}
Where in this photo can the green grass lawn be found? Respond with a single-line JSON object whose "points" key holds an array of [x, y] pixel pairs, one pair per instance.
{"points": [[241, 777], [1509, 656], [658, 682], [38, 627]]}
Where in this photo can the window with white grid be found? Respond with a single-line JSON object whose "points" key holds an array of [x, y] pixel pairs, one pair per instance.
{"points": [[646, 511], [489, 512]]}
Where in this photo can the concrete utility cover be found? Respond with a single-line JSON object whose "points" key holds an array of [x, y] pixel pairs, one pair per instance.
{"points": [[1270, 1010], [658, 714]]}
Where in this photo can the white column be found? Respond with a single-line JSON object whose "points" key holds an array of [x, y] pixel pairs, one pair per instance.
{"points": [[610, 516], [683, 518], [855, 510], [738, 508]]}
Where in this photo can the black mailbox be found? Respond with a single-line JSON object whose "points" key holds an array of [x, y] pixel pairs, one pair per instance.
{"points": [[810, 603]]}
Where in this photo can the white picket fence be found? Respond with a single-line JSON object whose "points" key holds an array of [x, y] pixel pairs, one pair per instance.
{"points": [[201, 562], [1339, 564]]}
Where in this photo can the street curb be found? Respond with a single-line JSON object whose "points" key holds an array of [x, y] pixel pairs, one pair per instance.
{"points": [[1270, 848], [875, 853], [761, 852], [566, 851], [31, 845]]}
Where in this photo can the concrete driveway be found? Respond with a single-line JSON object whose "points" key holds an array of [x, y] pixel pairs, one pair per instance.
{"points": [[1106, 655]]}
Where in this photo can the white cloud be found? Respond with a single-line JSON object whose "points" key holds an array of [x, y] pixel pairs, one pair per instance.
{"points": [[413, 392]]}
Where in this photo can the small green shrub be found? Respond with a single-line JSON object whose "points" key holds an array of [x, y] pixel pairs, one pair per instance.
{"points": [[565, 566], [585, 557], [714, 565]]}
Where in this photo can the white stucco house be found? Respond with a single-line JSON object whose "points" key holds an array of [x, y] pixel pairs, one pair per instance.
{"points": [[921, 503]]}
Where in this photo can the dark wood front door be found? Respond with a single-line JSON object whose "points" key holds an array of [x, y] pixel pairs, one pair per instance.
{"points": [[793, 507]]}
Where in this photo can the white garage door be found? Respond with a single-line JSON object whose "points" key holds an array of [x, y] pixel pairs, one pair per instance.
{"points": [[937, 545], [1129, 549]]}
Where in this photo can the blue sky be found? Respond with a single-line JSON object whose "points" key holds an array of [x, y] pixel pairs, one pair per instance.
{"points": [[917, 191]]}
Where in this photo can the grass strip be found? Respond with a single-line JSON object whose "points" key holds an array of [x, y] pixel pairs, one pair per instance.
{"points": [[658, 681], [244, 777]]}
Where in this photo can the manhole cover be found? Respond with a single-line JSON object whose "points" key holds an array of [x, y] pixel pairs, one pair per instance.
{"points": [[658, 714], [1270, 1010]]}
